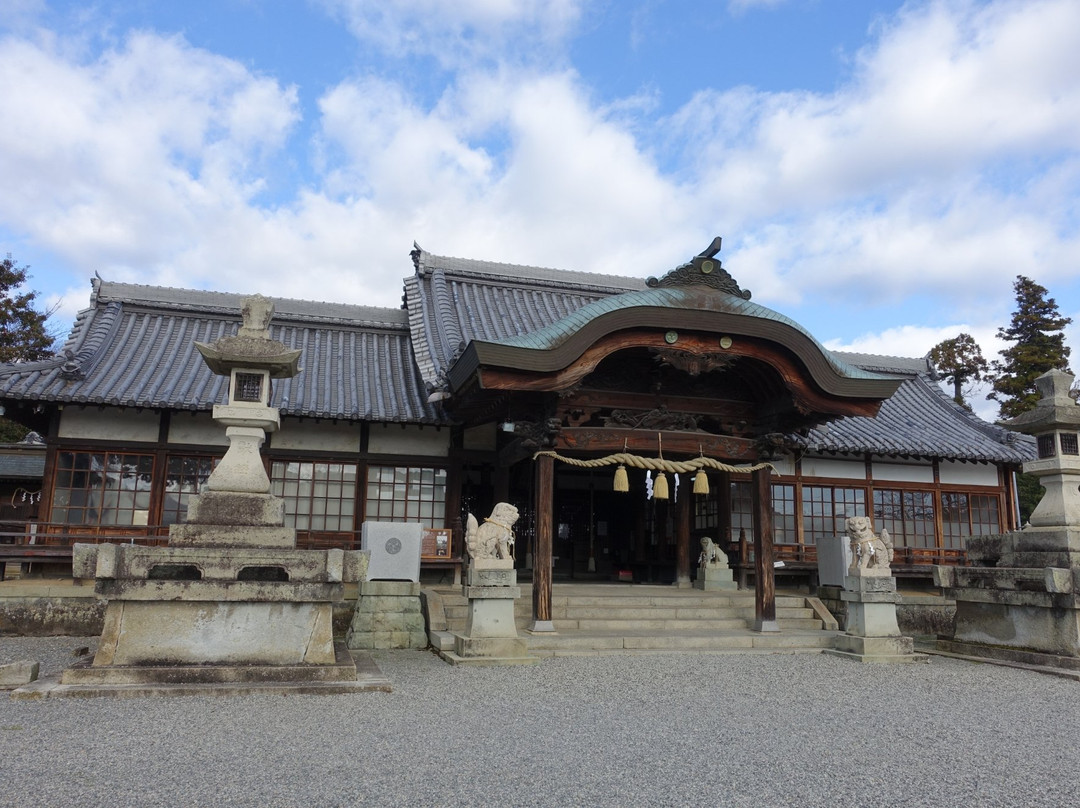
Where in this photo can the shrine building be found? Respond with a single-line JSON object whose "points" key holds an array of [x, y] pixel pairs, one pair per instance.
{"points": [[500, 382]]}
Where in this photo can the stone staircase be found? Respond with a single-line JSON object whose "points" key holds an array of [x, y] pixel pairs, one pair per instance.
{"points": [[618, 619]]}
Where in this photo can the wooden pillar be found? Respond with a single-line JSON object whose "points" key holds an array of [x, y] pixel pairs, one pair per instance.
{"points": [[764, 578], [544, 504], [682, 537]]}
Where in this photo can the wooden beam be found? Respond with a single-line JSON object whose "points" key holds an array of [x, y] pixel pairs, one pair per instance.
{"points": [[643, 442], [544, 504], [764, 576]]}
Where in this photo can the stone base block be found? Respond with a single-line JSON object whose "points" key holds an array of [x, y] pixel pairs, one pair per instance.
{"points": [[387, 616], [497, 647], [236, 509], [206, 535], [486, 661], [17, 674], [871, 619], [876, 649], [491, 617], [223, 633], [715, 578], [345, 675], [1047, 629]]}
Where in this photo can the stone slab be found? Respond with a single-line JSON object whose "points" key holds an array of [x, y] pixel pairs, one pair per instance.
{"points": [[17, 674], [494, 647], [876, 649], [192, 633], [368, 678], [394, 550], [486, 661]]}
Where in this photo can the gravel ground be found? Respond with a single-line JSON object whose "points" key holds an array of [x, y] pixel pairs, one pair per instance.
{"points": [[672, 730]]}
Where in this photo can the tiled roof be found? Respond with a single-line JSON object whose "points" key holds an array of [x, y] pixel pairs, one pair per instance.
{"points": [[920, 420], [135, 347], [452, 301]]}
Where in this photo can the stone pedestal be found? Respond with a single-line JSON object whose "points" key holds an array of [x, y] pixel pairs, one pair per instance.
{"points": [[231, 605], [872, 632], [490, 636], [715, 578], [387, 616], [17, 674]]}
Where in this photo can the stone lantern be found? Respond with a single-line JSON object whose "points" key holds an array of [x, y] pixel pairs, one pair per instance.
{"points": [[231, 605], [1055, 424]]}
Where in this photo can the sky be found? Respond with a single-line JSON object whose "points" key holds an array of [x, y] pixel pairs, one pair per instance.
{"points": [[880, 171]]}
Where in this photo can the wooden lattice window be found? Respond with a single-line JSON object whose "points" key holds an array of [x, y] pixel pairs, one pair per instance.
{"points": [[184, 478], [102, 488], [964, 515], [826, 508], [318, 496], [783, 512], [406, 494], [907, 515]]}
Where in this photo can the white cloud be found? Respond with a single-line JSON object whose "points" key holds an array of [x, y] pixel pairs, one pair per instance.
{"points": [[944, 168], [464, 31]]}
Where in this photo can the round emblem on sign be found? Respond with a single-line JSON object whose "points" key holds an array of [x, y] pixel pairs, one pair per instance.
{"points": [[671, 337], [393, 546], [707, 267]]}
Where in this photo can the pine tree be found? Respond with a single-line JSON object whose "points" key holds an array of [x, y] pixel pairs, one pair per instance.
{"points": [[1038, 345], [23, 335], [959, 360]]}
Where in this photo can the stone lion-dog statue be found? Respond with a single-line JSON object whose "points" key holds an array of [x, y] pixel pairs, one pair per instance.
{"points": [[711, 554], [868, 551], [495, 538]]}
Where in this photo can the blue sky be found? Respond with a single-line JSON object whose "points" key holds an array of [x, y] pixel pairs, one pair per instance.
{"points": [[880, 171]]}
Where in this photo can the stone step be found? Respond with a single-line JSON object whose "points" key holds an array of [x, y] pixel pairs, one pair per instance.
{"points": [[617, 624], [622, 642]]}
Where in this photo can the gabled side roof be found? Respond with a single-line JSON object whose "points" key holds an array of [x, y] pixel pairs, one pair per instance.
{"points": [[919, 420], [452, 301], [135, 347]]}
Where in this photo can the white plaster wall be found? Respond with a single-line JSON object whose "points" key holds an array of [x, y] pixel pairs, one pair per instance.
{"points": [[111, 423], [197, 429], [953, 472], [481, 438], [408, 439], [311, 436], [903, 472], [784, 466], [853, 469]]}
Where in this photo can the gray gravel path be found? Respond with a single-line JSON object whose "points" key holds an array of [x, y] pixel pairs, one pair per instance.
{"points": [[676, 730]]}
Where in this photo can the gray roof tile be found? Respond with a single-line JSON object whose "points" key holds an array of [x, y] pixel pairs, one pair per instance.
{"points": [[136, 347]]}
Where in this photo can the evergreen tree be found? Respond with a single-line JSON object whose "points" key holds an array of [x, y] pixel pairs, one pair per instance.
{"points": [[959, 360], [23, 335], [1038, 345]]}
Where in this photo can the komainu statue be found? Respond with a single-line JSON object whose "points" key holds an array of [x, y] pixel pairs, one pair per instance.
{"points": [[868, 551], [711, 554], [495, 538]]}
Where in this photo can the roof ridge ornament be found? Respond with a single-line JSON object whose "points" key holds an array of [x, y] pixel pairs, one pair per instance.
{"points": [[702, 270]]}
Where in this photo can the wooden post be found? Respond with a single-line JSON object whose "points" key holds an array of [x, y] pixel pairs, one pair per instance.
{"points": [[764, 578], [544, 504], [682, 537]]}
